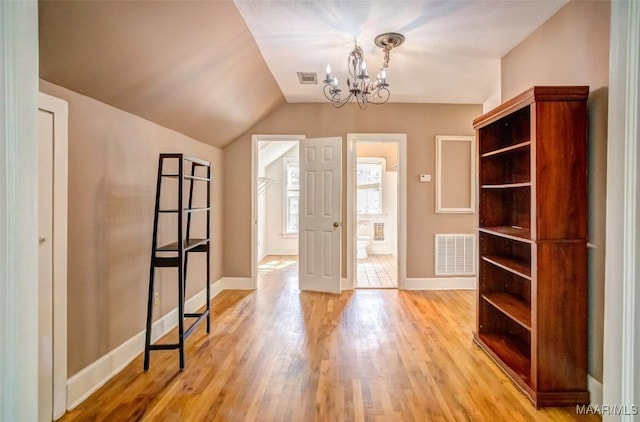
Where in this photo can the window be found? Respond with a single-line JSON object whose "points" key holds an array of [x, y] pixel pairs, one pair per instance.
{"points": [[369, 180], [291, 196]]}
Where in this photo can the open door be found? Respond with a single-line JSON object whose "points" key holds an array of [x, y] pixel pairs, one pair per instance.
{"points": [[320, 222]]}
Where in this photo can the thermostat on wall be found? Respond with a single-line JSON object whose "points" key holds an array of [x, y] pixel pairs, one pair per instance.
{"points": [[425, 177]]}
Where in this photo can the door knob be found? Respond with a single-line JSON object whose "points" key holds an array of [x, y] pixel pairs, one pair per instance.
{"points": [[336, 224]]}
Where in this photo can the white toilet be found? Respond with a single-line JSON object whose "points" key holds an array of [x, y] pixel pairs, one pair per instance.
{"points": [[362, 244]]}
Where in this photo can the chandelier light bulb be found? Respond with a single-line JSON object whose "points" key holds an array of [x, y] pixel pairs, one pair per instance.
{"points": [[328, 71]]}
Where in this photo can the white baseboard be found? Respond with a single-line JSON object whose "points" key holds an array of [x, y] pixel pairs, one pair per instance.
{"points": [[237, 283], [88, 380], [441, 283], [595, 391], [216, 288]]}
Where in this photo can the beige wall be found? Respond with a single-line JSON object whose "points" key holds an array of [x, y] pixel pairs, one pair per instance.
{"points": [[113, 159], [572, 48], [421, 123]]}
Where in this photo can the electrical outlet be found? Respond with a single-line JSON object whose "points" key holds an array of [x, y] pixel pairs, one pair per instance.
{"points": [[156, 298]]}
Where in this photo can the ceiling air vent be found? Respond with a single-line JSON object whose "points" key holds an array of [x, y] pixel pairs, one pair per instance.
{"points": [[308, 78]]}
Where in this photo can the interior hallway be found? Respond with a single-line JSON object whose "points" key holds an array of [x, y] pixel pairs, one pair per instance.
{"points": [[281, 354]]}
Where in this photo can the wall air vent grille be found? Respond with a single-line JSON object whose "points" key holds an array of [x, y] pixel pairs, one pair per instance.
{"points": [[455, 254]]}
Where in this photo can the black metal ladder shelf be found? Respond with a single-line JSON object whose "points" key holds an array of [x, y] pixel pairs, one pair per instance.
{"points": [[176, 254]]}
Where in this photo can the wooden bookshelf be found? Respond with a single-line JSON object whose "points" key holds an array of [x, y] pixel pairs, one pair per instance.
{"points": [[532, 224]]}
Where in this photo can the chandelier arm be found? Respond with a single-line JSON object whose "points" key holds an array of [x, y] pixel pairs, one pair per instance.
{"points": [[334, 97], [363, 104], [329, 91], [383, 94], [341, 103]]}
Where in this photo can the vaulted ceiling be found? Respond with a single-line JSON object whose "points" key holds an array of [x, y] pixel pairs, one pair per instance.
{"points": [[212, 69], [190, 66]]}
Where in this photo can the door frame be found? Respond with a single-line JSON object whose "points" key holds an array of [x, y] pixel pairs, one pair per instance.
{"points": [[401, 140], [59, 109], [254, 195]]}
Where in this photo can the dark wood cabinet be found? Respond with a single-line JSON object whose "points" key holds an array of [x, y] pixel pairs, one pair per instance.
{"points": [[532, 223]]}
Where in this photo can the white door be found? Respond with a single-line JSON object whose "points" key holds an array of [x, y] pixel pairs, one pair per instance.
{"points": [[45, 267], [52, 258], [319, 213]]}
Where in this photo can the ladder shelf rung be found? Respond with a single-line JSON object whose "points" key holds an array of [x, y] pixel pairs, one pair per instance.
{"points": [[164, 346], [186, 177], [188, 245], [204, 179], [181, 156], [161, 261], [196, 161], [185, 210], [195, 323]]}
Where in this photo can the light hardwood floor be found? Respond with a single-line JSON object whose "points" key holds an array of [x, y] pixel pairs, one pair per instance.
{"points": [[278, 354]]}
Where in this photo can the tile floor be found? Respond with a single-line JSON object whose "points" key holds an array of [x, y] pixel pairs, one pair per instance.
{"points": [[377, 271]]}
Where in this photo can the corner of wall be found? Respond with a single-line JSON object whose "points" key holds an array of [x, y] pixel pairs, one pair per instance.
{"points": [[492, 102]]}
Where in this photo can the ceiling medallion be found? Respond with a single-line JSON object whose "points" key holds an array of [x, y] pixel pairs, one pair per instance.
{"points": [[361, 88]]}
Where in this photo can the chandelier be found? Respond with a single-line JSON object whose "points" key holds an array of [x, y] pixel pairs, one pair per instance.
{"points": [[361, 88]]}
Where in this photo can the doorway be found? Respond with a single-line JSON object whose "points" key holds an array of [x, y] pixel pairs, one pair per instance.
{"points": [[276, 196], [376, 215], [376, 210]]}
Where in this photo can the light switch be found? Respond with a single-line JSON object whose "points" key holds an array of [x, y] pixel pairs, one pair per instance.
{"points": [[425, 177]]}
